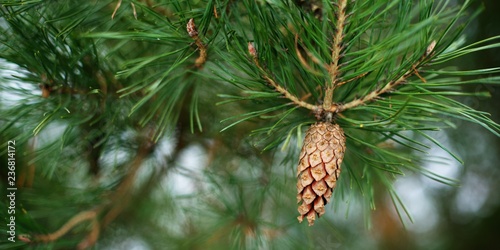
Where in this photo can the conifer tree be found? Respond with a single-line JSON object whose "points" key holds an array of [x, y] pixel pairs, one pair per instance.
{"points": [[179, 124]]}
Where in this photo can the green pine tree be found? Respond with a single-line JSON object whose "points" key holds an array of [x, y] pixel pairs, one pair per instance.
{"points": [[174, 124]]}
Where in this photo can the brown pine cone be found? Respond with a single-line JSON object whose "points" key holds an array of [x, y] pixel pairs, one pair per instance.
{"points": [[319, 168]]}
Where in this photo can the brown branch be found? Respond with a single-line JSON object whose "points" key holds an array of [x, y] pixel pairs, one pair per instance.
{"points": [[275, 85], [70, 224], [193, 33], [352, 79], [120, 197], [134, 11], [216, 14], [116, 9], [334, 69], [376, 93], [418, 75], [387, 87], [92, 237]]}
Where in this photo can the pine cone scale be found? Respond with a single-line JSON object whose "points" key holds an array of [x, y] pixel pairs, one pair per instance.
{"points": [[306, 178], [319, 168], [304, 164], [315, 158], [318, 172], [331, 166]]}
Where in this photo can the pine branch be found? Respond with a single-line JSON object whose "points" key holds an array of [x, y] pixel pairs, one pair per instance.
{"points": [[275, 85], [90, 215], [390, 86], [334, 70], [120, 198]]}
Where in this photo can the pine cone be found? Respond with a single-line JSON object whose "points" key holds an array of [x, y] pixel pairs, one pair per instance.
{"points": [[319, 168]]}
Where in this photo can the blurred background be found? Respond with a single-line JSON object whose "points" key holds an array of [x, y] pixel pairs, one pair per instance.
{"points": [[467, 216]]}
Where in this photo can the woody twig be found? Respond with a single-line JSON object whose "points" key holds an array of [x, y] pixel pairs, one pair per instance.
{"points": [[334, 68], [275, 85], [120, 197], [89, 215], [390, 86]]}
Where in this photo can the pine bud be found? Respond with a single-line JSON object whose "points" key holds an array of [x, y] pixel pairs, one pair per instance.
{"points": [[430, 48], [46, 89], [191, 28], [252, 50], [319, 168]]}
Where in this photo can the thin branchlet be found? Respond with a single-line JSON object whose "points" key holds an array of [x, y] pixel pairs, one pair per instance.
{"points": [[390, 86], [89, 215], [253, 52], [334, 69]]}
